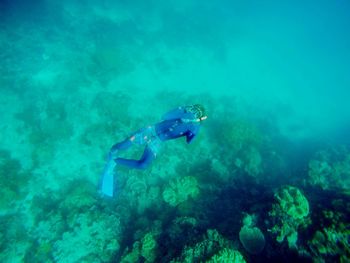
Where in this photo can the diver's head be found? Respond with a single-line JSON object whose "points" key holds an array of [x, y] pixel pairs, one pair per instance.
{"points": [[198, 111]]}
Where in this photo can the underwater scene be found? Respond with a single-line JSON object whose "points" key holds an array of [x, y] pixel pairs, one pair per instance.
{"points": [[174, 131]]}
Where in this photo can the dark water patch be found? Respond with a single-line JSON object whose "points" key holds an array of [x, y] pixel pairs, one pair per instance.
{"points": [[329, 212], [138, 225], [340, 136], [225, 211], [175, 237], [323, 200], [34, 12]]}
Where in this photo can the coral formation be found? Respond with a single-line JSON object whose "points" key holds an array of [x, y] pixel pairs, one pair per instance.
{"points": [[78, 196], [185, 220], [331, 242], [72, 227], [47, 121], [330, 169], [227, 255], [144, 249], [290, 212], [106, 62], [148, 247], [251, 237], [241, 135], [181, 227], [13, 182], [246, 144], [91, 238], [179, 190], [134, 255], [141, 195], [14, 238], [250, 161], [213, 246]]}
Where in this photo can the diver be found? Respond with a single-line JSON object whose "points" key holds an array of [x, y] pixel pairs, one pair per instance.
{"points": [[182, 121]]}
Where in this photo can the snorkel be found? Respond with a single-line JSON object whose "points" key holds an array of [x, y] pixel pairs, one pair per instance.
{"points": [[203, 118]]}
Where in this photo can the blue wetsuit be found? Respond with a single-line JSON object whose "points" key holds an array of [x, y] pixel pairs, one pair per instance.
{"points": [[174, 124]]}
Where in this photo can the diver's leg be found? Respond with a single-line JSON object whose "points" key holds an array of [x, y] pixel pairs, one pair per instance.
{"points": [[124, 145], [106, 184], [107, 179], [146, 159]]}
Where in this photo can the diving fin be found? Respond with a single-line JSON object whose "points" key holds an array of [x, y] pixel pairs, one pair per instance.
{"points": [[107, 182]]}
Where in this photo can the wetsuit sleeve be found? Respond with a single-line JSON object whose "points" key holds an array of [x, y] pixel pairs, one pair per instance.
{"points": [[177, 113], [192, 133]]}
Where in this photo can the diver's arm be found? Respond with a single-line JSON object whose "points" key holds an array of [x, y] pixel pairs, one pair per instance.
{"points": [[189, 137], [174, 114], [120, 146], [192, 133]]}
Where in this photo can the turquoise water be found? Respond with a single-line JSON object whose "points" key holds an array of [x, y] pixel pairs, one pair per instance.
{"points": [[266, 179]]}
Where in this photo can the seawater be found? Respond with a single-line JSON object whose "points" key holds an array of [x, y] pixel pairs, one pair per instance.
{"points": [[273, 155]]}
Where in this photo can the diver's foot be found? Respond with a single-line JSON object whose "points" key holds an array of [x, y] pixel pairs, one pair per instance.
{"points": [[107, 184]]}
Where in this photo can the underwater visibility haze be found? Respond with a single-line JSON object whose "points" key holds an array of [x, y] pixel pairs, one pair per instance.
{"points": [[260, 173]]}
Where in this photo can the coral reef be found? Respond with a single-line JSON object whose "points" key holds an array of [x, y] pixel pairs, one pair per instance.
{"points": [[79, 76], [242, 134], [141, 196], [179, 190], [14, 238], [227, 255], [330, 169], [148, 247], [92, 238], [78, 196], [213, 247], [144, 250], [290, 212], [251, 237], [181, 228], [106, 62], [12, 181], [73, 226], [47, 121], [250, 161], [246, 143], [331, 242]]}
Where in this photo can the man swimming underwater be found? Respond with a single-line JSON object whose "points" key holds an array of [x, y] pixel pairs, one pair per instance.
{"points": [[182, 121]]}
